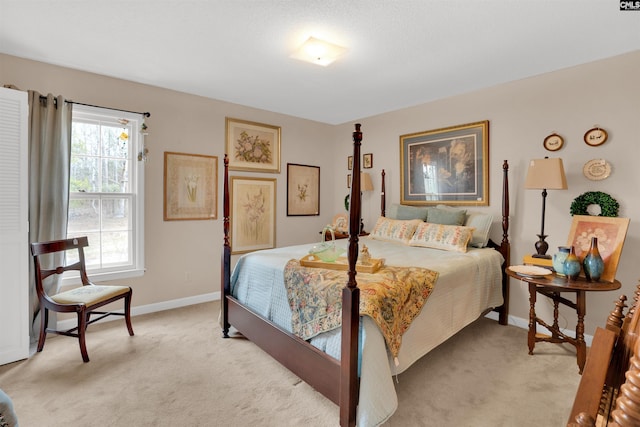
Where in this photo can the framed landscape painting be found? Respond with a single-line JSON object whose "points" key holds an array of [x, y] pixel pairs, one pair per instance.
{"points": [[190, 186], [449, 165], [252, 146], [303, 190], [253, 214]]}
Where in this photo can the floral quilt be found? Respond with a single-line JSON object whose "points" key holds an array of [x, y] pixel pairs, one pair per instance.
{"points": [[392, 297]]}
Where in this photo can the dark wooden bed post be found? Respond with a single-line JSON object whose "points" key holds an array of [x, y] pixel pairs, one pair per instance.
{"points": [[505, 247], [225, 280], [349, 387], [383, 197]]}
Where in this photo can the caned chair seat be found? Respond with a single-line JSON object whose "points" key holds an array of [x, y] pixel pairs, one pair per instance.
{"points": [[83, 300]]}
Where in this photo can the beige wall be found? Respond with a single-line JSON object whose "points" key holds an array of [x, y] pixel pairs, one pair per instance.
{"points": [[189, 124], [521, 115]]}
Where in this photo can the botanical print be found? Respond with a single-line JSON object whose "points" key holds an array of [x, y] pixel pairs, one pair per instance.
{"points": [[190, 186], [303, 190], [252, 146], [253, 216]]}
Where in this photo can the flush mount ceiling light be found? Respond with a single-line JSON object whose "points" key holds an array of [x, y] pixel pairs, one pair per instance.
{"points": [[318, 52]]}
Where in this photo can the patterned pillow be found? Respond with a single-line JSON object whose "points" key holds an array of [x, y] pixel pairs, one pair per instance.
{"points": [[481, 221], [439, 236], [395, 230]]}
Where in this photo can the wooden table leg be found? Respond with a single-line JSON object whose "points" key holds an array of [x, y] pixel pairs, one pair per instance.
{"points": [[531, 337], [581, 346]]}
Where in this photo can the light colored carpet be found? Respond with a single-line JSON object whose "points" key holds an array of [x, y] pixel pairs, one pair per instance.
{"points": [[178, 371]]}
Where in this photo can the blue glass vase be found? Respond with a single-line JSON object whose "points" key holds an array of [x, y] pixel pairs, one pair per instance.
{"points": [[559, 258], [572, 264], [593, 263]]}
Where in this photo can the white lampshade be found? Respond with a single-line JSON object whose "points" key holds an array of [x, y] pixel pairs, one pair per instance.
{"points": [[546, 174]]}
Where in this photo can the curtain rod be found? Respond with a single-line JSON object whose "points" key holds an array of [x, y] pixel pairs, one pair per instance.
{"points": [[145, 114]]}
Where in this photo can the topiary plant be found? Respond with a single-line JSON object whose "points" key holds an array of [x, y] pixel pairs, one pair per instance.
{"points": [[608, 205]]}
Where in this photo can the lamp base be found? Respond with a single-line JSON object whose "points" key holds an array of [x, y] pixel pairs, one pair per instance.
{"points": [[541, 247], [543, 256]]}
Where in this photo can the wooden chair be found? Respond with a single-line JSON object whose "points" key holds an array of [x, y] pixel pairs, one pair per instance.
{"points": [[609, 390], [83, 300]]}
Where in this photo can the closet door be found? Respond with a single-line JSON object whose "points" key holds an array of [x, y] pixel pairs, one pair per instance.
{"points": [[14, 227]]}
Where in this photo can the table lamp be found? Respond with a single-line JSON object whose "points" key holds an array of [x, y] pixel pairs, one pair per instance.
{"points": [[545, 174], [365, 185]]}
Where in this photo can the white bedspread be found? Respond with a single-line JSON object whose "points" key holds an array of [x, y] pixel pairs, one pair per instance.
{"points": [[468, 284]]}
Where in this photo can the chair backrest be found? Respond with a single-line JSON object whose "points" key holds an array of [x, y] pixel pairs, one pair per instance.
{"points": [[58, 247]]}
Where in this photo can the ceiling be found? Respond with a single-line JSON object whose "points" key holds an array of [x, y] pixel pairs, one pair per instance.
{"points": [[401, 52]]}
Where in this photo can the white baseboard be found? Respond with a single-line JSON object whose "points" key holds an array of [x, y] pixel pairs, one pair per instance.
{"points": [[524, 324], [149, 308], [213, 296]]}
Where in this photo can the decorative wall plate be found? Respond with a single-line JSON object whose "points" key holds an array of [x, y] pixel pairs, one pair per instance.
{"points": [[597, 169], [553, 142], [595, 136]]}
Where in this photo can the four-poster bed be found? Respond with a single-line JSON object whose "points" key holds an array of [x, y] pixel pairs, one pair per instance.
{"points": [[351, 362]]}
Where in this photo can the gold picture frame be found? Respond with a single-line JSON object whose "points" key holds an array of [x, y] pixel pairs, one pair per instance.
{"points": [[611, 233], [448, 165], [253, 214], [303, 190], [252, 146], [190, 187]]}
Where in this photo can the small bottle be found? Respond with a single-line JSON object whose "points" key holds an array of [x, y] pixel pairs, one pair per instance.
{"points": [[572, 264], [593, 263]]}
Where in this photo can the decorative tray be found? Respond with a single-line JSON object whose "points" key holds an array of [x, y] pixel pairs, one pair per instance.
{"points": [[342, 264]]}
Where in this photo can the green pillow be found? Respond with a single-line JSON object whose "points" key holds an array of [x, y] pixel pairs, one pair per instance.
{"points": [[404, 212], [446, 216]]}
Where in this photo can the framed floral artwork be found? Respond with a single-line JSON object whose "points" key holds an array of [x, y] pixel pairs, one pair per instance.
{"points": [[611, 233], [190, 186], [449, 165], [252, 146], [253, 214], [303, 190]]}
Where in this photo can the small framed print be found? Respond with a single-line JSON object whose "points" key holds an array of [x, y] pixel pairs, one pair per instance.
{"points": [[367, 161], [553, 142], [350, 162], [348, 180], [595, 136]]}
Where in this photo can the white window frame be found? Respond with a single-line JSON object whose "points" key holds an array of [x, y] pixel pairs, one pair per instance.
{"points": [[136, 267]]}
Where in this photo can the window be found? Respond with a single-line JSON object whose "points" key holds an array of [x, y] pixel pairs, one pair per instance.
{"points": [[106, 190]]}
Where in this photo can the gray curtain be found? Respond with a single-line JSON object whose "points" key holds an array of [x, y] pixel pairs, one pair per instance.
{"points": [[49, 166]]}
